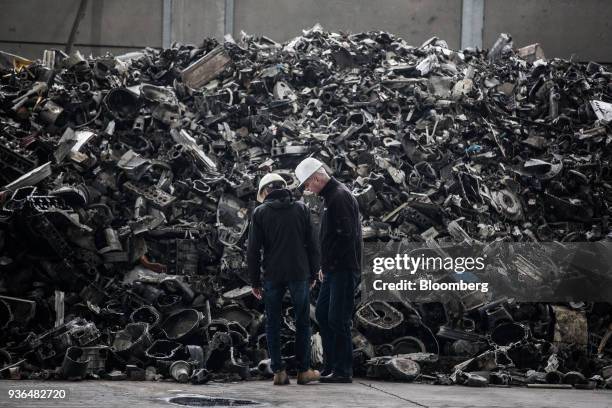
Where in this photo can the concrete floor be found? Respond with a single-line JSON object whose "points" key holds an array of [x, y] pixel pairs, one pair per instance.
{"points": [[362, 393]]}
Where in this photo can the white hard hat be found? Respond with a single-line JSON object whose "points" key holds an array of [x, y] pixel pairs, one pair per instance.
{"points": [[307, 168], [267, 179]]}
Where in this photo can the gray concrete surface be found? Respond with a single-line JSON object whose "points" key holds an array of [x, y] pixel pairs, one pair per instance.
{"points": [[362, 393]]}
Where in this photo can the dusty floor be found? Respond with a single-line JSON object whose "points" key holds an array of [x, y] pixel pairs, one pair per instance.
{"points": [[362, 393]]}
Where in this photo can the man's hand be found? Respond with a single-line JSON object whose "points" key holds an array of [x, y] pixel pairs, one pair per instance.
{"points": [[321, 275], [257, 292], [313, 283]]}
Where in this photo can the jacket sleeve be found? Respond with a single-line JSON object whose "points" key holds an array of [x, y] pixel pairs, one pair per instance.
{"points": [[341, 229], [312, 246], [254, 251]]}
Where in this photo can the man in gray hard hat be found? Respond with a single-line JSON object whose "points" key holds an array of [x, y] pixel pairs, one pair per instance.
{"points": [[340, 238], [281, 227]]}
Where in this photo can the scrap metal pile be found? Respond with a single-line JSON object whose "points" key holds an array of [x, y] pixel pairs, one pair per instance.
{"points": [[128, 183]]}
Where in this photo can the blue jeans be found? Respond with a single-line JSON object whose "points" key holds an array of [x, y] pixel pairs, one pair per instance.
{"points": [[300, 297], [334, 314]]}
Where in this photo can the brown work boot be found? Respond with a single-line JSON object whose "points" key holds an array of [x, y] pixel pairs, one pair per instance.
{"points": [[281, 378], [307, 376]]}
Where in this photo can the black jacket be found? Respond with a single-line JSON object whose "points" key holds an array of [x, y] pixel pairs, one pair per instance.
{"points": [[340, 234], [281, 227]]}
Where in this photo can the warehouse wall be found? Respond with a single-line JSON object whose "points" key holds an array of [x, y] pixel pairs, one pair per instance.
{"points": [[193, 20], [27, 27], [563, 27], [414, 20]]}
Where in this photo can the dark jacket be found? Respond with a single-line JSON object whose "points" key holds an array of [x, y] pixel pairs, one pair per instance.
{"points": [[340, 232], [281, 227]]}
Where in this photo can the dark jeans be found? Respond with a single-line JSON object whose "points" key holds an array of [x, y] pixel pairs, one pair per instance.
{"points": [[334, 314], [273, 298]]}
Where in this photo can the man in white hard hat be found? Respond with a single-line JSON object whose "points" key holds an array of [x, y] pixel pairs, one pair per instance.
{"points": [[340, 239], [281, 227]]}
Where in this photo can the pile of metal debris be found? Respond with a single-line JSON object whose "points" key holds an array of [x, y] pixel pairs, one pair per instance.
{"points": [[128, 182]]}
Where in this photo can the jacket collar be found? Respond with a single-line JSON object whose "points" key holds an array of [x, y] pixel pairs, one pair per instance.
{"points": [[278, 195], [329, 187]]}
